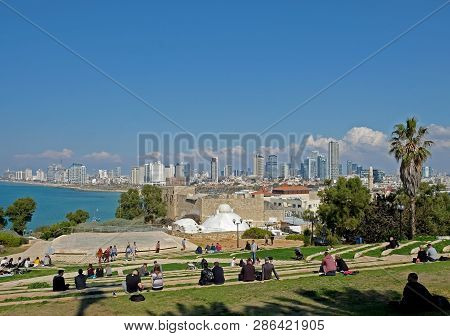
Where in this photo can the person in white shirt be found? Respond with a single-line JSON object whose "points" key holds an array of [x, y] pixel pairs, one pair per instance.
{"points": [[233, 262], [4, 261], [432, 254]]}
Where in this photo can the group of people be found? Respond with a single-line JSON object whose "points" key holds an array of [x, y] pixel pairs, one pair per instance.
{"points": [[134, 285], [330, 266], [9, 266], [427, 254], [109, 254]]}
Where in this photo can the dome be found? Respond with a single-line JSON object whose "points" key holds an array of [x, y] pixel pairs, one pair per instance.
{"points": [[222, 221], [224, 208], [186, 225]]}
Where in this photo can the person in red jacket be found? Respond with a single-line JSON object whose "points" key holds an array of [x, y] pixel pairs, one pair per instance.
{"points": [[328, 266]]}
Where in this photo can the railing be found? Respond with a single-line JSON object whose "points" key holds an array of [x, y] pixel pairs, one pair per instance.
{"points": [[115, 229]]}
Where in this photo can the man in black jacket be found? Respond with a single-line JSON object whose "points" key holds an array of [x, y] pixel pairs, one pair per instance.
{"points": [[59, 284], [267, 269], [219, 278]]}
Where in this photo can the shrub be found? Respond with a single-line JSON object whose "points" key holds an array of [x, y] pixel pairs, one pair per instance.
{"points": [[295, 237], [36, 285], [10, 239], [55, 230], [255, 233]]}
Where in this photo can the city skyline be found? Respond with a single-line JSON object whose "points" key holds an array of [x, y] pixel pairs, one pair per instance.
{"points": [[218, 79]]}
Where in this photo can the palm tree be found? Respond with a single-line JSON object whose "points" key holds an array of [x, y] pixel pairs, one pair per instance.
{"points": [[409, 146]]}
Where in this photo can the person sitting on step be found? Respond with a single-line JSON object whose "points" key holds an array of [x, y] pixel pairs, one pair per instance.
{"points": [[80, 280], [59, 284], [328, 266]]}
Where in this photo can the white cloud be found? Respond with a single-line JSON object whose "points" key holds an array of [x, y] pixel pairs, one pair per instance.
{"points": [[440, 135], [47, 154], [103, 156]]}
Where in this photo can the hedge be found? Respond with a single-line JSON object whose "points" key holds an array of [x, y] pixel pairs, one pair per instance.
{"points": [[11, 239], [255, 233]]}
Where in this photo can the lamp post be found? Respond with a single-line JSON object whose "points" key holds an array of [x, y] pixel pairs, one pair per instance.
{"points": [[401, 207], [237, 230]]}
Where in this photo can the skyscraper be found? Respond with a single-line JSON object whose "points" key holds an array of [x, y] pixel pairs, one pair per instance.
{"points": [[258, 166], [322, 167], [272, 167], [333, 160], [77, 173], [179, 170], [228, 170], [310, 165], [134, 176], [349, 168], [215, 169], [284, 170]]}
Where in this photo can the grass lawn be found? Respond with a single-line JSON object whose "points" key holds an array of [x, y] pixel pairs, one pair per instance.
{"points": [[364, 294], [351, 254], [32, 274], [286, 253], [406, 250], [375, 253], [440, 246]]}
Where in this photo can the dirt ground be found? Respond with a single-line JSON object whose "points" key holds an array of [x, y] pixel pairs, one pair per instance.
{"points": [[228, 240]]}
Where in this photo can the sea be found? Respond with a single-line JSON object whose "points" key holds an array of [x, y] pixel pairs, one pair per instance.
{"points": [[53, 203]]}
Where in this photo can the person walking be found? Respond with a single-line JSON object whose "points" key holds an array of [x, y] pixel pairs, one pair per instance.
{"points": [[253, 249], [183, 244], [158, 247]]}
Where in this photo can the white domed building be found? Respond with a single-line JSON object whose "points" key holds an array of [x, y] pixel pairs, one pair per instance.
{"points": [[186, 225], [222, 221]]}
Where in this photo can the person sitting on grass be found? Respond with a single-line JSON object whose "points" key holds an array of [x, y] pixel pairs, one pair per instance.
{"points": [[416, 297], [219, 277], [37, 262], [59, 284], [157, 278], [199, 250], [247, 246], [80, 280], [393, 243], [134, 286], [206, 276], [298, 254], [421, 255], [143, 271], [207, 248], [212, 248], [90, 272], [4, 261], [108, 270], [341, 266], [218, 247], [99, 273], [267, 269], [248, 272], [328, 266], [233, 262], [432, 254]]}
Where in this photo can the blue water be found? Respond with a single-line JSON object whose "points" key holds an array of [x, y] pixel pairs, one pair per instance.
{"points": [[52, 204]]}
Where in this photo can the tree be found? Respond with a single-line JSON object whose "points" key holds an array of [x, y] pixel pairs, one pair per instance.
{"points": [[20, 213], [78, 216], [408, 145], [3, 220], [310, 216], [343, 205], [129, 205], [152, 202]]}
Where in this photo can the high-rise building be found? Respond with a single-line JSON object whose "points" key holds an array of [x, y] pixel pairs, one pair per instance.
{"points": [[134, 179], [77, 174], [284, 170], [228, 170], [40, 175], [258, 166], [322, 167], [310, 166], [28, 174], [215, 169], [157, 173], [426, 172], [378, 175], [169, 171], [349, 168], [20, 175], [333, 160], [370, 179], [118, 172], [179, 170], [272, 167], [354, 168], [359, 170]]}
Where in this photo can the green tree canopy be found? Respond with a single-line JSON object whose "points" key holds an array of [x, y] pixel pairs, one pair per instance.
{"points": [[129, 205], [343, 205], [153, 204], [3, 220], [78, 216], [20, 213]]}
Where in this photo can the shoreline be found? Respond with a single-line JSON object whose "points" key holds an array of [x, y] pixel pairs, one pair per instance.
{"points": [[65, 186]]}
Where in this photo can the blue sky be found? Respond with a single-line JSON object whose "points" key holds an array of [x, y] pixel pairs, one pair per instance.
{"points": [[217, 66]]}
